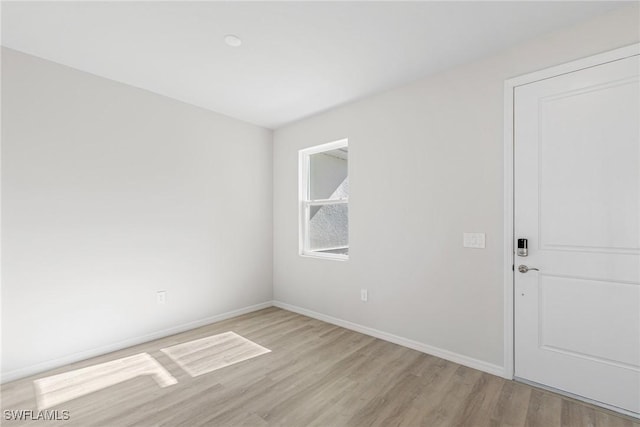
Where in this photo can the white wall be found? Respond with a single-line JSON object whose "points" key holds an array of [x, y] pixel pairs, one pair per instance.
{"points": [[110, 193], [426, 165]]}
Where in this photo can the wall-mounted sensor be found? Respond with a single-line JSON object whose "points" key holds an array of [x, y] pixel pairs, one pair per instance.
{"points": [[523, 247]]}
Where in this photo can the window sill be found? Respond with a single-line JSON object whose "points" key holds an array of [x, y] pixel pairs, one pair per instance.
{"points": [[334, 257]]}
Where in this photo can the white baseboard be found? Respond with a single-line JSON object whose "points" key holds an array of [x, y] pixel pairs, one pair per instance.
{"points": [[99, 351], [405, 342]]}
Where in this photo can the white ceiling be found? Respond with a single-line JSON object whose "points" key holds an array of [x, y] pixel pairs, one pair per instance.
{"points": [[297, 58]]}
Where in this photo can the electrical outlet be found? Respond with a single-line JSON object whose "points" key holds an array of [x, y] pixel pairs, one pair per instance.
{"points": [[364, 295], [161, 297]]}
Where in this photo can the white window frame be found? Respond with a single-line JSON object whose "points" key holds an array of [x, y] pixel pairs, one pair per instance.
{"points": [[305, 203]]}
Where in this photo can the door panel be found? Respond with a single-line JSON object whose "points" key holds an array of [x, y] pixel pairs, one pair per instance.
{"points": [[577, 200], [589, 178], [568, 324]]}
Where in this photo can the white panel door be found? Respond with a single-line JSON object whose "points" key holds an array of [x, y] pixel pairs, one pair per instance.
{"points": [[577, 201]]}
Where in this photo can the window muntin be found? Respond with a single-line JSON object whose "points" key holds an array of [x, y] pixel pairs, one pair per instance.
{"points": [[324, 201]]}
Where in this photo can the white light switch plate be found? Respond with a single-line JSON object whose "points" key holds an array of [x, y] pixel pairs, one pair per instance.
{"points": [[473, 240]]}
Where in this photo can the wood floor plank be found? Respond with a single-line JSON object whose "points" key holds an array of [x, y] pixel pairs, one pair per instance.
{"points": [[316, 374], [435, 380], [544, 409], [604, 419], [575, 414], [477, 408], [456, 391], [512, 405]]}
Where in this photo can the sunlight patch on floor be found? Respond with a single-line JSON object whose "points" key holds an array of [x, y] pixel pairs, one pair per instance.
{"points": [[211, 353], [56, 389]]}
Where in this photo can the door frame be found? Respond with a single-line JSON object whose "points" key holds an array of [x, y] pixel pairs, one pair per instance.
{"points": [[509, 174]]}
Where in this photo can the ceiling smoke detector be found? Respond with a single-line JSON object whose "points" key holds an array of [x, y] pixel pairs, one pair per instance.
{"points": [[232, 40]]}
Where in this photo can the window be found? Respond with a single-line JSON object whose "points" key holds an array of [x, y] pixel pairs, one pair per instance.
{"points": [[324, 201]]}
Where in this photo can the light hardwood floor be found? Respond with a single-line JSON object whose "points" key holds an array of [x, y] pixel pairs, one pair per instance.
{"points": [[316, 374]]}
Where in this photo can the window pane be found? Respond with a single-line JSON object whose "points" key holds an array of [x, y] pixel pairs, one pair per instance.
{"points": [[329, 228], [328, 175]]}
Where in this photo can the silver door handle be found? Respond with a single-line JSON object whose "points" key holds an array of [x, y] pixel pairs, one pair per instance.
{"points": [[523, 268]]}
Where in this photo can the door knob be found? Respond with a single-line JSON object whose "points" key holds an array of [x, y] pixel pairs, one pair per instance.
{"points": [[523, 268]]}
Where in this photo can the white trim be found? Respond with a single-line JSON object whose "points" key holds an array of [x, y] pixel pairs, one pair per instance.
{"points": [[341, 143], [508, 253], [99, 351], [508, 261], [321, 255], [578, 64], [335, 248], [324, 202], [405, 342], [303, 190]]}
